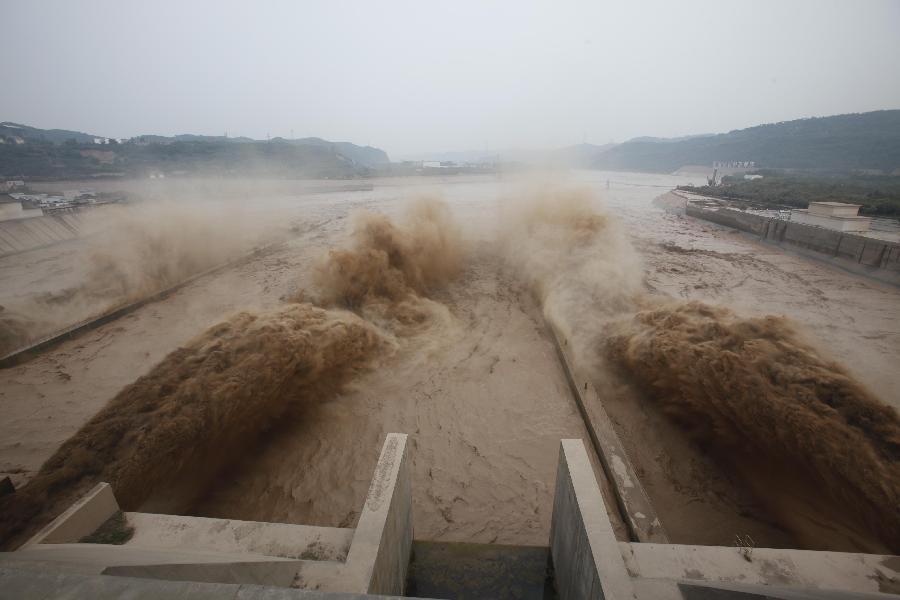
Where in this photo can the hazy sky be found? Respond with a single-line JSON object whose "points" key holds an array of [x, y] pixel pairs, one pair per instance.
{"points": [[448, 75]]}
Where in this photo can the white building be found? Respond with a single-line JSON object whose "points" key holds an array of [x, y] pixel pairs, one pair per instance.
{"points": [[832, 215], [82, 195], [11, 184]]}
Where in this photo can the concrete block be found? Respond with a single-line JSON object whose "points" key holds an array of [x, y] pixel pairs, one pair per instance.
{"points": [[80, 519]]}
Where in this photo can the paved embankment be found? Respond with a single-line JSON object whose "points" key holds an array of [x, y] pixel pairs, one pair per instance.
{"points": [[21, 235], [868, 256]]}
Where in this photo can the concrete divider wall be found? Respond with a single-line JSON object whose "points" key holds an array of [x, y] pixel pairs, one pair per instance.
{"points": [[81, 519], [634, 504], [379, 553], [869, 256], [587, 560], [21, 235]]}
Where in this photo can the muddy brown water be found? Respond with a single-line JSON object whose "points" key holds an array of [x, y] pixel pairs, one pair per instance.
{"points": [[482, 395]]}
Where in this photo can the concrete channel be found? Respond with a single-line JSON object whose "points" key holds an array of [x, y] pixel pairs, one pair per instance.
{"points": [[49, 341], [585, 558]]}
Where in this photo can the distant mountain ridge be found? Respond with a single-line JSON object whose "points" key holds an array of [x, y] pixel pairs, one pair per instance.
{"points": [[859, 141], [363, 155], [580, 155], [55, 136], [33, 153], [663, 140]]}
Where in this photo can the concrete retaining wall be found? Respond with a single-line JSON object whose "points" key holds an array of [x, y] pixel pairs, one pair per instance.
{"points": [[21, 235], [731, 218], [860, 254]]}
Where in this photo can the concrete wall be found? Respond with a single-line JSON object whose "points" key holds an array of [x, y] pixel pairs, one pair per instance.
{"points": [[15, 210], [587, 560], [80, 519], [21, 235], [379, 553], [730, 218], [634, 504], [868, 256], [18, 583]]}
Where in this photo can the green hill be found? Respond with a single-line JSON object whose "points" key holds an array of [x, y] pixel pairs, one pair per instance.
{"points": [[30, 152], [866, 141], [33, 134]]}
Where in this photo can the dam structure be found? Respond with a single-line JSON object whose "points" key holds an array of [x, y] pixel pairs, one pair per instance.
{"points": [[571, 493], [93, 550]]}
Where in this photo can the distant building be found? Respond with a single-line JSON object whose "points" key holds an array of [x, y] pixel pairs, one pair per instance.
{"points": [[734, 164], [79, 195], [12, 184], [832, 215]]}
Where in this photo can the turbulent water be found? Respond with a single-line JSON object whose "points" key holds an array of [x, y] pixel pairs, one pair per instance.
{"points": [[427, 321], [818, 448], [165, 438], [809, 439]]}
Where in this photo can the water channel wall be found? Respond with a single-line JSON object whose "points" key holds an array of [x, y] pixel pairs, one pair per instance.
{"points": [[21, 235], [875, 258]]}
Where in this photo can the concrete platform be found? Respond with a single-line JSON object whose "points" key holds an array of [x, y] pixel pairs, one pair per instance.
{"points": [[373, 558], [590, 563], [190, 557], [25, 584]]}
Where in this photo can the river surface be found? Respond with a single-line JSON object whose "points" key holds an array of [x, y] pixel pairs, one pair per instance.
{"points": [[481, 395]]}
